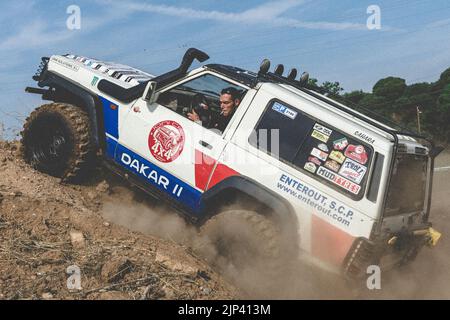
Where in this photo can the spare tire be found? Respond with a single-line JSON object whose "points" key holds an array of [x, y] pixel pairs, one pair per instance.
{"points": [[56, 139]]}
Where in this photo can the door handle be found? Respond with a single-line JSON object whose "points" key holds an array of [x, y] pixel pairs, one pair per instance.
{"points": [[205, 144]]}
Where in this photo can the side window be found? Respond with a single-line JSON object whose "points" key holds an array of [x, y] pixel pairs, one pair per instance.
{"points": [[207, 100], [376, 178], [313, 147], [281, 124]]}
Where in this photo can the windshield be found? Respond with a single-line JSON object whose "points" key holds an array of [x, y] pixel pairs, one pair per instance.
{"points": [[408, 185]]}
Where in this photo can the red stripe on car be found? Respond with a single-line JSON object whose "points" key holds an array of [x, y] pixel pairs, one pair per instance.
{"points": [[204, 165]]}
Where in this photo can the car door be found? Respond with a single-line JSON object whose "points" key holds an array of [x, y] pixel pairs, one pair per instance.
{"points": [[165, 149]]}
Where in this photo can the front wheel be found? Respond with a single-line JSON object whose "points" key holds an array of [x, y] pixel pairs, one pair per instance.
{"points": [[56, 139]]}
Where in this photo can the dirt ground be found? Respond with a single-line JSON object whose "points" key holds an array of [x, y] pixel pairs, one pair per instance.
{"points": [[127, 247], [50, 233]]}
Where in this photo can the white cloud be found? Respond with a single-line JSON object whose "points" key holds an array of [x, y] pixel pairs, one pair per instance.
{"points": [[35, 34], [439, 23], [269, 12]]}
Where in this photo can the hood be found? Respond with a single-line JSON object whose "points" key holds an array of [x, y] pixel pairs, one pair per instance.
{"points": [[121, 72]]}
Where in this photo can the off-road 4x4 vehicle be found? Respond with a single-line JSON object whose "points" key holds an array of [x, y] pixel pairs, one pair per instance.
{"points": [[294, 174]]}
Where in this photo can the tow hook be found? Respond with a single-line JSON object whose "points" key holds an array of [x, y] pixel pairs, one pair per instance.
{"points": [[432, 236]]}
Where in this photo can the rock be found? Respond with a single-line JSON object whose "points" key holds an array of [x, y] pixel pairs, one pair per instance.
{"points": [[174, 264], [103, 187], [206, 291], [77, 239], [115, 269], [47, 296], [106, 224]]}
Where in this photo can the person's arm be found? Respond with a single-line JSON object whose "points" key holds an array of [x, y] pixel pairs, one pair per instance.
{"points": [[194, 117]]}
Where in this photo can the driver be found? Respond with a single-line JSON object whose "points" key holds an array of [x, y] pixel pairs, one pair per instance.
{"points": [[229, 101]]}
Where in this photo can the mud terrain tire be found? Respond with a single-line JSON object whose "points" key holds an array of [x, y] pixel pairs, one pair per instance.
{"points": [[56, 139], [243, 240]]}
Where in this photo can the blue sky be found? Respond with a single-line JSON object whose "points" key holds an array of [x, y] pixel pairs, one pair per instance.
{"points": [[327, 38]]}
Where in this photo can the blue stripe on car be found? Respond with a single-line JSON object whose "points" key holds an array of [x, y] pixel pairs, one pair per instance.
{"points": [[110, 117], [153, 175]]}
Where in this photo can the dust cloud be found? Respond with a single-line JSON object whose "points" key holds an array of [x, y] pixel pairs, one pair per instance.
{"points": [[128, 209], [288, 281], [428, 277]]}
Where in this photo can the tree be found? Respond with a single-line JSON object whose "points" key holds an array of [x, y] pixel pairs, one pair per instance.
{"points": [[312, 83], [445, 77], [355, 96], [394, 99], [443, 111], [390, 88], [415, 95], [417, 88], [332, 88], [375, 103]]}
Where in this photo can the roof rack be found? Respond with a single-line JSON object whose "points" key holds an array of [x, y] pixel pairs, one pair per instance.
{"points": [[302, 85]]}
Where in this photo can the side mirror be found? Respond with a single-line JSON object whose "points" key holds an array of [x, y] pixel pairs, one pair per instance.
{"points": [[150, 92]]}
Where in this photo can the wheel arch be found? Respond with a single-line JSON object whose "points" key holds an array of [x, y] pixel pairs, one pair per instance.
{"points": [[250, 193], [67, 92]]}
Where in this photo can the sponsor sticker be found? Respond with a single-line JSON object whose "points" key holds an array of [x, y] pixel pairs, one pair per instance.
{"points": [[320, 136], [337, 156], [332, 165], [323, 147], [65, 64], [166, 141], [94, 81], [357, 153], [315, 161], [340, 144], [322, 129], [319, 154], [353, 171], [338, 180], [311, 167], [278, 107]]}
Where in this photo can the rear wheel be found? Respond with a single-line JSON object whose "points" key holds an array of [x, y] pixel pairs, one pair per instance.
{"points": [[240, 242], [56, 139]]}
